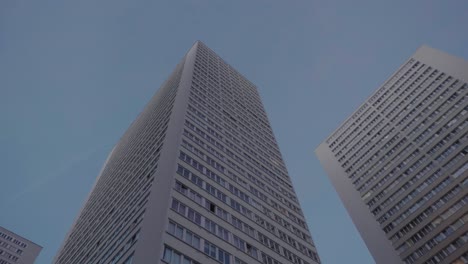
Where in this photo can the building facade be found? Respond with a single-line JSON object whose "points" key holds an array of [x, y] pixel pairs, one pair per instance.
{"points": [[399, 163], [16, 249], [197, 178]]}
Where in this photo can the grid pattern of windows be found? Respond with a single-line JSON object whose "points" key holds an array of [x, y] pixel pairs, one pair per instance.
{"points": [[172, 256], [203, 145], [106, 228], [16, 249], [405, 152], [231, 168]]}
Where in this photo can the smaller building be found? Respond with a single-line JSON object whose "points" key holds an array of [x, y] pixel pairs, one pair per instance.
{"points": [[16, 249], [400, 163]]}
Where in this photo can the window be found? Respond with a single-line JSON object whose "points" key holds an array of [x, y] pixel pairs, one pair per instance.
{"points": [[179, 232], [184, 234], [217, 253], [167, 255], [210, 249], [173, 257], [238, 261]]}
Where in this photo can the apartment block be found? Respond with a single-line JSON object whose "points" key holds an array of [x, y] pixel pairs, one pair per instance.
{"points": [[17, 249], [197, 178], [399, 163]]}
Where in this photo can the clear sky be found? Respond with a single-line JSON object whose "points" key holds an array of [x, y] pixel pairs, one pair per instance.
{"points": [[75, 74]]}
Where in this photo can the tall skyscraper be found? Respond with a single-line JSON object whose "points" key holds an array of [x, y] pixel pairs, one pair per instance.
{"points": [[17, 249], [197, 178], [399, 163]]}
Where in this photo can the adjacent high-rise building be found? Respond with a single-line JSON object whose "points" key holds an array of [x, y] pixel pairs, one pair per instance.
{"points": [[399, 163], [16, 249], [197, 178]]}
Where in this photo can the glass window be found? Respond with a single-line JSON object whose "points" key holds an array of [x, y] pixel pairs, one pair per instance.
{"points": [[171, 228], [179, 232], [210, 249], [175, 258], [167, 254], [188, 237], [196, 242], [129, 260]]}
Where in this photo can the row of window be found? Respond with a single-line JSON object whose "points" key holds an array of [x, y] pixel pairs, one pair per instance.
{"points": [[415, 193], [375, 99], [198, 243], [239, 193], [374, 141], [431, 208], [236, 206], [172, 256], [119, 225], [448, 250], [215, 94], [394, 92], [212, 65], [246, 119], [370, 145], [431, 226], [353, 175], [244, 127], [246, 144], [237, 158], [441, 236], [357, 121], [420, 202], [11, 248], [348, 132], [8, 255], [446, 128], [124, 189], [412, 173], [229, 119], [398, 104], [425, 169], [414, 128], [425, 214], [448, 102], [277, 182], [121, 234], [125, 248], [215, 229], [382, 93], [407, 174], [389, 155], [245, 147], [124, 175], [242, 195], [439, 159], [13, 240], [396, 164], [415, 95]]}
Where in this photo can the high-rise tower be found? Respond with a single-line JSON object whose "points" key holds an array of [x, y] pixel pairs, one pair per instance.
{"points": [[399, 163], [197, 178], [17, 249]]}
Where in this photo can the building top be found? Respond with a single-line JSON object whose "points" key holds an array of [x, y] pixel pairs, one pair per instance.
{"points": [[399, 162], [443, 61]]}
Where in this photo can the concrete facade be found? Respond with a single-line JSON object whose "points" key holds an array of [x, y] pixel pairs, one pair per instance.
{"points": [[197, 178], [17, 249], [399, 163]]}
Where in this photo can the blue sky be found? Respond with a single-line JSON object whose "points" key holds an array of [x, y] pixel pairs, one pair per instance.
{"points": [[74, 75]]}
